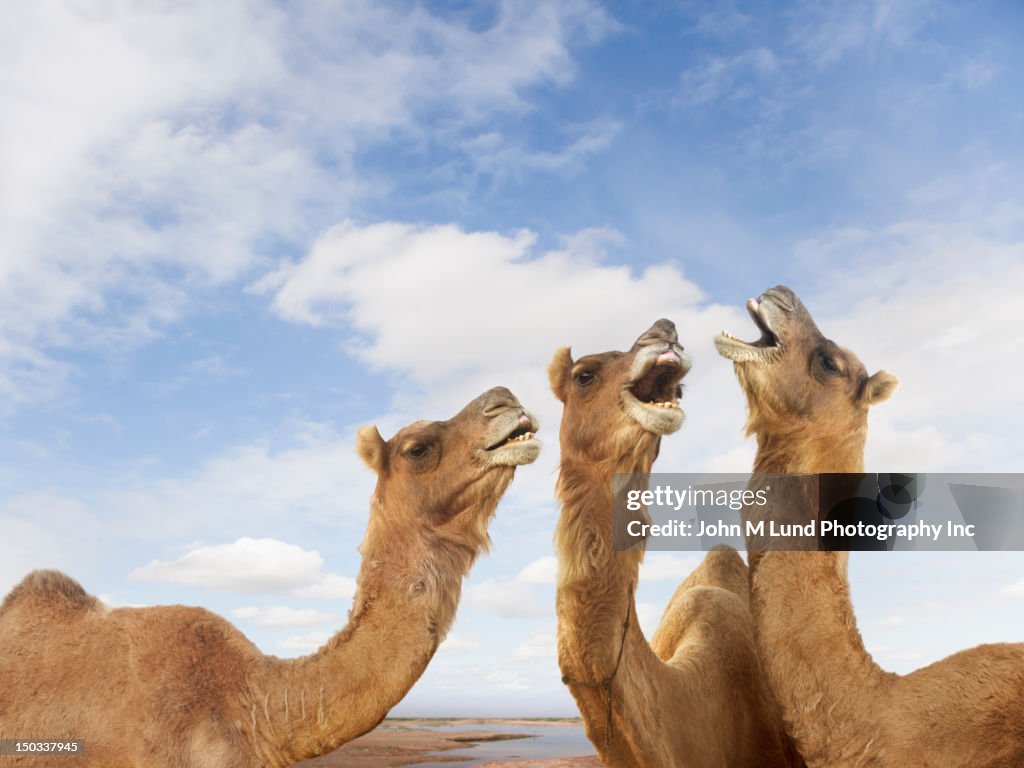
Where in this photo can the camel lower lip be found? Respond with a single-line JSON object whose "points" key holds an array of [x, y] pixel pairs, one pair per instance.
{"points": [[740, 351], [737, 349]]}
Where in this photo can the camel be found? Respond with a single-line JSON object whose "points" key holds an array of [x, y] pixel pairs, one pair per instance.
{"points": [[696, 695], [808, 402], [180, 687]]}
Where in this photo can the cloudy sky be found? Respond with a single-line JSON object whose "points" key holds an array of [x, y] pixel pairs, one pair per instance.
{"points": [[231, 233]]}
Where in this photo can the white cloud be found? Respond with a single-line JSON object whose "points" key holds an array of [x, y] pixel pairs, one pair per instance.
{"points": [[457, 643], [904, 660], [285, 616], [542, 571], [246, 565], [330, 587], [664, 566], [459, 345], [649, 616], [541, 645], [826, 32], [449, 275], [113, 602], [508, 680], [887, 622], [146, 155], [1013, 590], [935, 303], [508, 599], [727, 77], [46, 530], [499, 155], [303, 644], [315, 475], [453, 281]]}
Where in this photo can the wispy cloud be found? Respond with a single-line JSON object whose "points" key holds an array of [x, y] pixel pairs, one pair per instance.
{"points": [[285, 616], [541, 645], [732, 78], [455, 643], [246, 565], [512, 599], [501, 157], [542, 571], [150, 156], [828, 31], [303, 644], [1013, 590], [663, 566]]}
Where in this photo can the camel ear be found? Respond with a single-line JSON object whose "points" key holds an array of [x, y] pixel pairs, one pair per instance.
{"points": [[371, 449], [880, 387], [559, 373]]}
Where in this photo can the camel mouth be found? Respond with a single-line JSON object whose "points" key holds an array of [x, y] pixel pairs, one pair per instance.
{"points": [[517, 443], [521, 434], [660, 384], [653, 394], [764, 350]]}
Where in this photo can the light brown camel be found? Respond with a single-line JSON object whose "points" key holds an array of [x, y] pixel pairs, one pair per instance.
{"points": [[180, 687], [696, 695], [808, 403]]}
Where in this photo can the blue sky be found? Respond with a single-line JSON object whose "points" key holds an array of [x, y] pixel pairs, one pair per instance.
{"points": [[232, 233]]}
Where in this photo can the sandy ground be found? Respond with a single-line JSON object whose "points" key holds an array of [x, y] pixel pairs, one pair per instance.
{"points": [[398, 743]]}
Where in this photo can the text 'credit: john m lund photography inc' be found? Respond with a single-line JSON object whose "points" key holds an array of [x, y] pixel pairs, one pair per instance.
{"points": [[884, 511]]}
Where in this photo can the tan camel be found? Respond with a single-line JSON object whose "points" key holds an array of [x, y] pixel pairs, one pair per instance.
{"points": [[808, 402], [695, 696], [180, 687]]}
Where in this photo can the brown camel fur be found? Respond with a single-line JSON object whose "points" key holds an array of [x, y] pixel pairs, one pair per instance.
{"points": [[696, 695], [808, 402], [181, 687]]}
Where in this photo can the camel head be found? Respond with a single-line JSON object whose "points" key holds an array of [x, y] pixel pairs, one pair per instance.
{"points": [[617, 402], [448, 476], [795, 376]]}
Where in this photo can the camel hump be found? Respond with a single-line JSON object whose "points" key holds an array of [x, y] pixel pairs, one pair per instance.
{"points": [[54, 586], [722, 567]]}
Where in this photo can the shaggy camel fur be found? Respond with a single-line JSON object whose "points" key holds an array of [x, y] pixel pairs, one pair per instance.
{"points": [[696, 696], [180, 687], [808, 402]]}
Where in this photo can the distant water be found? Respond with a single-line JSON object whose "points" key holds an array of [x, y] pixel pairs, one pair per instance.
{"points": [[545, 742]]}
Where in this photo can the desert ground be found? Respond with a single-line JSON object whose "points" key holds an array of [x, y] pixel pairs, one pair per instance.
{"points": [[401, 742]]}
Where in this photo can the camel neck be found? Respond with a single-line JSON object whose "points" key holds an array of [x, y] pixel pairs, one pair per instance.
{"points": [[405, 601], [797, 451], [596, 583], [601, 647], [806, 628]]}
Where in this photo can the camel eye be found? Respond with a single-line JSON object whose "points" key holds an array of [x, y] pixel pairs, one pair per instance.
{"points": [[830, 366], [584, 378], [418, 451]]}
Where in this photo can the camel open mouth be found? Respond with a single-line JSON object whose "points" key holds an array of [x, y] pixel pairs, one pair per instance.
{"points": [[653, 395], [659, 385], [518, 443], [763, 350], [518, 435]]}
